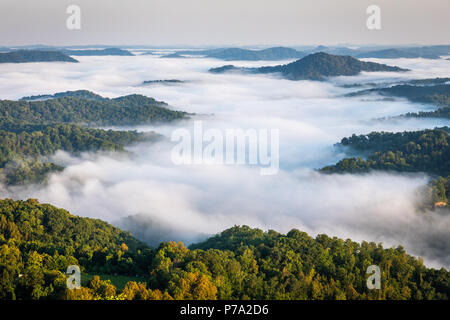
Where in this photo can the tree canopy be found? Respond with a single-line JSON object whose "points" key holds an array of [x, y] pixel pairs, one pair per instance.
{"points": [[39, 241]]}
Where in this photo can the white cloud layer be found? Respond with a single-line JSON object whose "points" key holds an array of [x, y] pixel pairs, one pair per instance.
{"points": [[189, 202]]}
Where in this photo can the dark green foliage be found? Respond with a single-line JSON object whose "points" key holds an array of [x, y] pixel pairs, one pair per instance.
{"points": [[71, 138], [439, 113], [227, 68], [316, 66], [419, 151], [248, 263], [427, 52], [320, 65], [30, 130], [38, 242], [128, 110], [275, 53], [21, 56], [98, 52], [21, 150]]}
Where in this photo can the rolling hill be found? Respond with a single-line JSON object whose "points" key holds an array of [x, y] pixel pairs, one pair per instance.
{"points": [[22, 56], [39, 241], [316, 66]]}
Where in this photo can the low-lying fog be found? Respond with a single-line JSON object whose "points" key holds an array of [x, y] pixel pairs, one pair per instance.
{"points": [[189, 202]]}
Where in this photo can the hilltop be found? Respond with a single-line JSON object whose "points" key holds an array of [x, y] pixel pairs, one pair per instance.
{"points": [[39, 241], [274, 53], [316, 66], [22, 56]]}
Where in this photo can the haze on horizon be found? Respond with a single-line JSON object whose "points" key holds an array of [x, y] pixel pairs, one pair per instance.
{"points": [[231, 22]]}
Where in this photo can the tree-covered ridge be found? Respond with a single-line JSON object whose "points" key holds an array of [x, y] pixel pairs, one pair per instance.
{"points": [[71, 138], [21, 150], [418, 151], [21, 56], [316, 66], [274, 53], [84, 94], [443, 112], [38, 242], [128, 110], [435, 94], [395, 53], [32, 129]]}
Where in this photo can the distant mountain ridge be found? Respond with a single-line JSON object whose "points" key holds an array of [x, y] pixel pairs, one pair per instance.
{"points": [[23, 56], [84, 94], [98, 52], [427, 52], [85, 107], [438, 94], [274, 53], [316, 66]]}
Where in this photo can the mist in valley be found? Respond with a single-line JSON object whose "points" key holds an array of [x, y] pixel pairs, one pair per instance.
{"points": [[145, 193]]}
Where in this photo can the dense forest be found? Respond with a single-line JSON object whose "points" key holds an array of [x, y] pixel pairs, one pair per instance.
{"points": [[38, 242], [280, 53], [417, 151], [316, 66], [22, 149], [32, 130], [127, 110]]}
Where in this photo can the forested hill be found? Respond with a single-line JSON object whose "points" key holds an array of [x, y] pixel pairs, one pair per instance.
{"points": [[21, 56], [38, 242], [32, 130], [78, 108], [316, 66], [418, 151], [84, 94], [415, 151], [22, 148]]}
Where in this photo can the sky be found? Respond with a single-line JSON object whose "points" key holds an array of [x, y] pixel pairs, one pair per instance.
{"points": [[223, 22]]}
